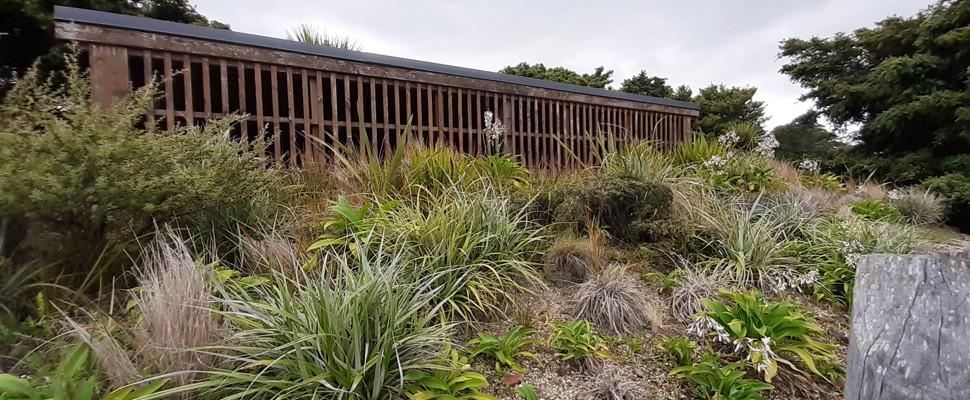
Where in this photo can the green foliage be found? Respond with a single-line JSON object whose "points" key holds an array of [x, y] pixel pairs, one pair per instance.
{"points": [[748, 134], [709, 380], [618, 203], [504, 350], [598, 79], [642, 161], [309, 33], [680, 351], [698, 150], [645, 85], [96, 179], [477, 248], [956, 189], [452, 380], [750, 318], [875, 210], [739, 174], [575, 341], [367, 171], [721, 106], [754, 247], [919, 207], [805, 138], [351, 327], [527, 391], [436, 168], [903, 81], [827, 182]]}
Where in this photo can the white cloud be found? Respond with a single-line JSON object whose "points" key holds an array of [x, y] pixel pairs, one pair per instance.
{"points": [[689, 42]]}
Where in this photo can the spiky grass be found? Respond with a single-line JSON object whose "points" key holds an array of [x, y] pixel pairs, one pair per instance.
{"points": [[571, 260], [612, 302], [311, 34], [920, 207]]}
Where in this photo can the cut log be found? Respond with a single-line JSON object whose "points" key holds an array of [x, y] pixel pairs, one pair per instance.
{"points": [[910, 332]]}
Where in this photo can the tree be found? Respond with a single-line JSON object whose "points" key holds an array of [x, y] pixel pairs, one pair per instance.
{"points": [[27, 27], [598, 79], [721, 106], [683, 93], [805, 137], [643, 84], [904, 82]]}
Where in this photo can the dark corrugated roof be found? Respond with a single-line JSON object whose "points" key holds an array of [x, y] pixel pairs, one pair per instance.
{"points": [[111, 20]]}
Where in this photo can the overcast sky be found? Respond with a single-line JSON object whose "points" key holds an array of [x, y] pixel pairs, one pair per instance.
{"points": [[689, 42]]}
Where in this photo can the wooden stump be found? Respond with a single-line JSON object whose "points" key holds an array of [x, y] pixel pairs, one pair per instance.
{"points": [[910, 332]]}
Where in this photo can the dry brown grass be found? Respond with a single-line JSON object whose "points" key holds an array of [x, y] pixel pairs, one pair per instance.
{"points": [[113, 359], [571, 260], [697, 284], [272, 253], [175, 305], [868, 190], [785, 172], [615, 384]]}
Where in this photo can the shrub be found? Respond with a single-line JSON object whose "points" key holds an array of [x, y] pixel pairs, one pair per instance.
{"points": [[738, 173], [826, 182], [615, 202], [709, 380], [875, 210], [767, 331], [611, 301], [956, 189], [919, 207], [575, 341], [505, 349], [353, 328], [571, 260], [88, 177]]}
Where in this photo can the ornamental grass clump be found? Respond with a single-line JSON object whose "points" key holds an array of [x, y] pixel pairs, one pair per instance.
{"points": [[571, 260], [612, 302], [349, 328], [918, 206]]}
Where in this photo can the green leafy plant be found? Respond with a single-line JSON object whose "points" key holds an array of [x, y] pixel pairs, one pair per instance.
{"points": [[527, 391], [308, 33], [875, 210], [709, 380], [504, 350], [772, 330], [502, 169], [697, 151], [827, 182], [680, 351], [452, 380], [739, 175], [576, 341]]}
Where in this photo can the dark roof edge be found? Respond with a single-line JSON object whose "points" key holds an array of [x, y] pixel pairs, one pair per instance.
{"points": [[78, 15]]}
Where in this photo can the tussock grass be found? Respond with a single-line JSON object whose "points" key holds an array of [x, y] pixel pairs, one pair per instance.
{"points": [[571, 260], [612, 302], [920, 207]]}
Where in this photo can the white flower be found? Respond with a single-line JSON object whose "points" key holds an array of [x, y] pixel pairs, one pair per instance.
{"points": [[808, 166], [494, 128], [715, 162], [767, 145], [729, 139], [853, 259], [860, 190], [895, 194]]}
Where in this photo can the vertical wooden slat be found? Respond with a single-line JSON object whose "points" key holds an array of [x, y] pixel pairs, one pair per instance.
{"points": [[359, 112], [224, 85], [432, 118], [334, 112], [206, 88], [275, 92], [479, 114], [291, 114], [420, 115], [451, 116], [149, 76], [307, 147], [387, 122], [529, 133], [258, 80], [373, 115], [520, 127], [472, 116], [397, 111], [319, 139], [407, 102], [187, 81], [169, 93], [348, 115], [461, 122], [241, 68]]}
